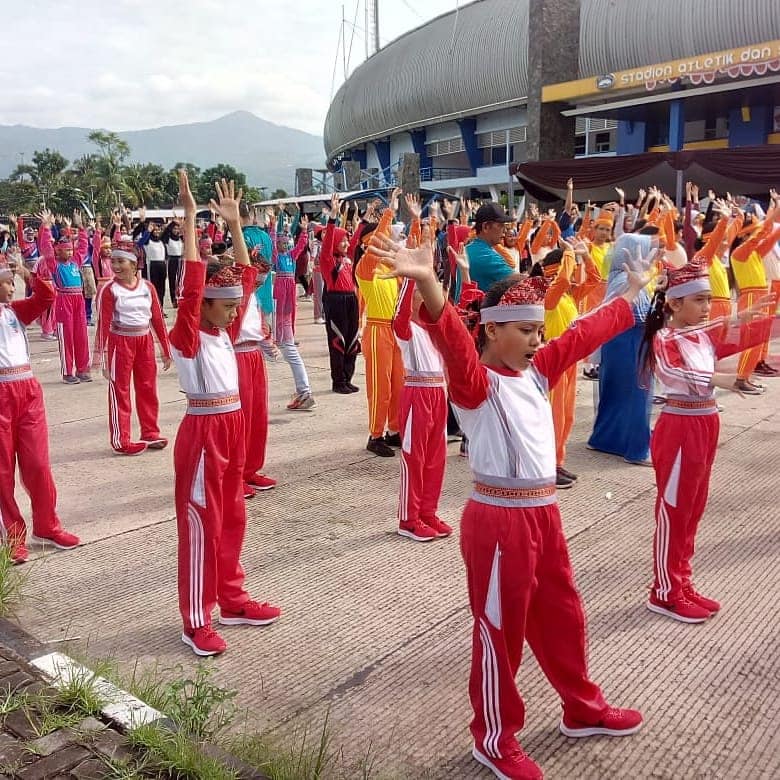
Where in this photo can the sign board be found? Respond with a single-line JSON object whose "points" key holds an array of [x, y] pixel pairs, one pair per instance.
{"points": [[757, 59]]}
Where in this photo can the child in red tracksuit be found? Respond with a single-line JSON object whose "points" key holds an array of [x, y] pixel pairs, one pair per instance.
{"points": [[128, 311], [423, 424], [681, 346], [62, 265], [519, 576], [24, 436], [209, 453]]}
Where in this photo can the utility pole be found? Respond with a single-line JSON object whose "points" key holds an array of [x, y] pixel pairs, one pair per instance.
{"points": [[372, 27]]}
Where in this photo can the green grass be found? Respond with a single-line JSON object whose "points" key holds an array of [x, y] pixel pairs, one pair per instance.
{"points": [[176, 754], [12, 583]]}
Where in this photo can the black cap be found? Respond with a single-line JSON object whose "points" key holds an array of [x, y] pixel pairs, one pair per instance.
{"points": [[491, 212]]}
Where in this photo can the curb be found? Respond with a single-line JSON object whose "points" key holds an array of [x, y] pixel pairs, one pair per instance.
{"points": [[123, 710]]}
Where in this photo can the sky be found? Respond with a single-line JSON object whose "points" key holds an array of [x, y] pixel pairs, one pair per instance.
{"points": [[134, 64]]}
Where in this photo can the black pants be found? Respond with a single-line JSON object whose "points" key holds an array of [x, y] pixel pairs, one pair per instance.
{"points": [[173, 278], [157, 276], [341, 323]]}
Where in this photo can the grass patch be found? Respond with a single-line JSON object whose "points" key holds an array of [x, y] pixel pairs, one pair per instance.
{"points": [[176, 754], [12, 583]]}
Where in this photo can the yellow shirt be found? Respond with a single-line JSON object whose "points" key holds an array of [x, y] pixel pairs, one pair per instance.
{"points": [[599, 255], [557, 320], [750, 273], [380, 295], [719, 279]]}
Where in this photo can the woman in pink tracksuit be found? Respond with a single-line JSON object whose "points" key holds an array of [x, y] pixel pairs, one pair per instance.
{"points": [[62, 265]]}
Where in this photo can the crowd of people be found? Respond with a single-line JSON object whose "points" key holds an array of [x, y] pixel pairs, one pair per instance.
{"points": [[472, 323]]}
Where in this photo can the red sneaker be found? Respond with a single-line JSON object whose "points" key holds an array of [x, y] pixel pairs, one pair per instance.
{"points": [[252, 613], [204, 641], [249, 491], [19, 554], [442, 529], [683, 610], [155, 444], [261, 482], [693, 595], [516, 765], [61, 539], [417, 530], [134, 448], [613, 723]]}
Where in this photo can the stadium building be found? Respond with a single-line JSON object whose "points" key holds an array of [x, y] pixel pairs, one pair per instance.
{"points": [[487, 91]]}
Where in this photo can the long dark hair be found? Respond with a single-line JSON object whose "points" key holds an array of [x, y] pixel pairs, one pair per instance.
{"points": [[656, 319]]}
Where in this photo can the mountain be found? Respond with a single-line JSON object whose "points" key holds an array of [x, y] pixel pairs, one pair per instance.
{"points": [[267, 153]]}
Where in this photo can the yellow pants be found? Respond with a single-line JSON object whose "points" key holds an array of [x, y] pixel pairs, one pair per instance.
{"points": [[750, 358]]}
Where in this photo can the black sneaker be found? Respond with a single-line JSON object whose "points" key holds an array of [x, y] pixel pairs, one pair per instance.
{"points": [[342, 389], [764, 369], [561, 482], [69, 379], [84, 377], [748, 388], [393, 439], [352, 388], [566, 473], [378, 447], [591, 373]]}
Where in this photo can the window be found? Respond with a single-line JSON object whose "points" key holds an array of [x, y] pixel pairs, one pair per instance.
{"points": [[602, 142], [579, 145]]}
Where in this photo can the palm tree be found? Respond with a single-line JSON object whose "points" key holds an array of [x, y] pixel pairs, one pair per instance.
{"points": [[142, 183]]}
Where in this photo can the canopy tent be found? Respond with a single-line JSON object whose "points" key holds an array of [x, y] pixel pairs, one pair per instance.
{"points": [[748, 170]]}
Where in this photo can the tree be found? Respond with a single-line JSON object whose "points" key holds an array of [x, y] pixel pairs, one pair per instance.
{"points": [[277, 194], [110, 145], [45, 172], [145, 184], [18, 197], [206, 190]]}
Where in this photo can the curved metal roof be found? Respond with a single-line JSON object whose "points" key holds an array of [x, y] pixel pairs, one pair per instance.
{"points": [[475, 59]]}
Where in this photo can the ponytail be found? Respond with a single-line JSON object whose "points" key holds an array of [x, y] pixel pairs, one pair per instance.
{"points": [[656, 319]]}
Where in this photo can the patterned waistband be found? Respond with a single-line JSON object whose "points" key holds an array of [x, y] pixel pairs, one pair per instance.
{"points": [[509, 496], [285, 275], [377, 321], [246, 346], [217, 405], [128, 330], [429, 380], [745, 290], [692, 408], [70, 290], [15, 373]]}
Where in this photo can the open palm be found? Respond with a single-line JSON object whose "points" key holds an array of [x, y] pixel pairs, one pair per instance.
{"points": [[410, 263]]}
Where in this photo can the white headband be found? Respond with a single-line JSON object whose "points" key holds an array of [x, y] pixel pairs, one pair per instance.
{"points": [[516, 312], [689, 288], [223, 293], [121, 254]]}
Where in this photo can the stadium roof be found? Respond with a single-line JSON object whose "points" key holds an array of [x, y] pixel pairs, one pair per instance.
{"points": [[475, 59]]}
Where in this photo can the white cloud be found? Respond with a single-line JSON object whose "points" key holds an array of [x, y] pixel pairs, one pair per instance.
{"points": [[132, 64]]}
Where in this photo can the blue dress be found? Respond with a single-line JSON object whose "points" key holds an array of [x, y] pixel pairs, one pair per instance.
{"points": [[622, 425]]}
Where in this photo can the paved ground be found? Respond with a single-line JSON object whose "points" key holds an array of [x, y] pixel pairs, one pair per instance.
{"points": [[376, 628]]}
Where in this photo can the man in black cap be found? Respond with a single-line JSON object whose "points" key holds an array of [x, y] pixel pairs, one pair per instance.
{"points": [[486, 265]]}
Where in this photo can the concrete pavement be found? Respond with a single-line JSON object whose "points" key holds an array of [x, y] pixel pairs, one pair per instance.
{"points": [[376, 628]]}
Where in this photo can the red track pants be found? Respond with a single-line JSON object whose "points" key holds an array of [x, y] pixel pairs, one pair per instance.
{"points": [[521, 588], [24, 438], [423, 413], [210, 514], [683, 450], [132, 357], [72, 333], [253, 389]]}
